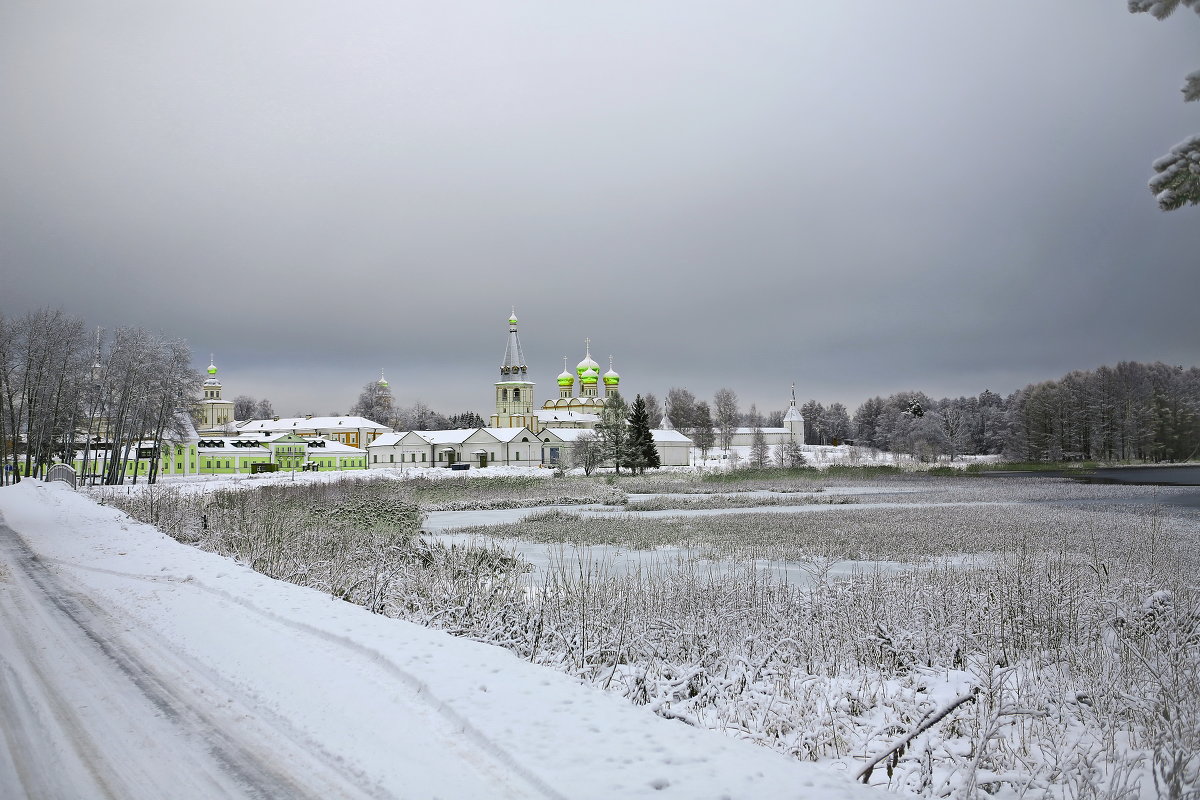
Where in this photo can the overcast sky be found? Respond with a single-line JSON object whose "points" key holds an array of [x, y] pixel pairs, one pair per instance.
{"points": [[859, 197]]}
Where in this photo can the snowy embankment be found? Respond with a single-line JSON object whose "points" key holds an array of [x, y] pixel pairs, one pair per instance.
{"points": [[137, 667]]}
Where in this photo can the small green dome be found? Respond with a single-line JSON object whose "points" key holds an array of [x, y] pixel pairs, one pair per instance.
{"points": [[589, 376], [611, 378], [212, 368], [566, 378]]}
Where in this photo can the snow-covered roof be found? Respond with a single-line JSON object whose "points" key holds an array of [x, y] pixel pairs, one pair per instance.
{"points": [[510, 434], [307, 423], [669, 435], [388, 439], [558, 415], [453, 436], [793, 414], [764, 430]]}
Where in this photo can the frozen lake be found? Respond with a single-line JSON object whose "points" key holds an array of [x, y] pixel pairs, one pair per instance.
{"points": [[446, 527]]}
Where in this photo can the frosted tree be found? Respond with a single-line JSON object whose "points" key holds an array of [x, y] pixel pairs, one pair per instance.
{"points": [[243, 407], [653, 409], [725, 408], [42, 361], [835, 422], [417, 417], [814, 422], [1176, 182], [681, 408], [952, 425], [587, 453], [704, 435], [375, 402]]}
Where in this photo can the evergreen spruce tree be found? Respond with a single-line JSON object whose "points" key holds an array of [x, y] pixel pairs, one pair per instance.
{"points": [[642, 452], [790, 455], [760, 451], [613, 431]]}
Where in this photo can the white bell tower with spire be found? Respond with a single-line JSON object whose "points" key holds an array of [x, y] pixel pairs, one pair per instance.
{"points": [[793, 420], [514, 390], [216, 413]]}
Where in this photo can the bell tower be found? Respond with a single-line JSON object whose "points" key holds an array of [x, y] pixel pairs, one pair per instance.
{"points": [[514, 390], [793, 420], [215, 413]]}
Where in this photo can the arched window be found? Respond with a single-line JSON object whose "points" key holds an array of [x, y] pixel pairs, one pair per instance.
{"points": [[516, 394]]}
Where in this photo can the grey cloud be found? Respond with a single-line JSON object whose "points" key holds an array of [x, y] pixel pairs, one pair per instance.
{"points": [[862, 199]]}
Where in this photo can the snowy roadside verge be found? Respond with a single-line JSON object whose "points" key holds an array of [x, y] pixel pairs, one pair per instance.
{"points": [[364, 690]]}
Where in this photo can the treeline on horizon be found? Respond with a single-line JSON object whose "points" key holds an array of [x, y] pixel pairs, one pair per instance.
{"points": [[1133, 411], [63, 391]]}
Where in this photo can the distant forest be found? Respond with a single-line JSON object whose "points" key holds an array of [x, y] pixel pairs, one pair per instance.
{"points": [[1132, 411]]}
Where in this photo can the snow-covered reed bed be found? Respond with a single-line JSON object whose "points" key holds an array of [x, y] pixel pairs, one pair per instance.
{"points": [[739, 500], [1072, 642], [1056, 654]]}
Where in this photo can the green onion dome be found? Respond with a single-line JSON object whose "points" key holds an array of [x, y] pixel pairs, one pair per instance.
{"points": [[589, 377], [587, 364], [566, 378], [611, 378], [212, 368]]}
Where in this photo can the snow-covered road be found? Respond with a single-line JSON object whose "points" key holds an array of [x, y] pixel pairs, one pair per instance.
{"points": [[135, 667]]}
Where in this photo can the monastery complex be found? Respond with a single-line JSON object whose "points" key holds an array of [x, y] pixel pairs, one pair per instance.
{"points": [[519, 433]]}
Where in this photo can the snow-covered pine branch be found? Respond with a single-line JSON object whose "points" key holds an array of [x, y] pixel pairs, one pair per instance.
{"points": [[1177, 179]]}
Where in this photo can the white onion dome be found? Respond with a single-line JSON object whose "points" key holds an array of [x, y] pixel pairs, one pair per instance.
{"points": [[382, 382]]}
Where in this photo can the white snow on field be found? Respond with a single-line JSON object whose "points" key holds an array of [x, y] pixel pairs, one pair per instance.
{"points": [[133, 666]]}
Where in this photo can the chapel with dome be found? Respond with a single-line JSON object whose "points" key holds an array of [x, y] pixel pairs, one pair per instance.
{"points": [[514, 392]]}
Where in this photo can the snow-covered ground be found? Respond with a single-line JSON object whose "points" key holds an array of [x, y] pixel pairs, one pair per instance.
{"points": [[132, 666]]}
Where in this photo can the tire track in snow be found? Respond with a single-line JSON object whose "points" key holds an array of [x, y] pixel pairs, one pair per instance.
{"points": [[247, 771], [503, 762]]}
